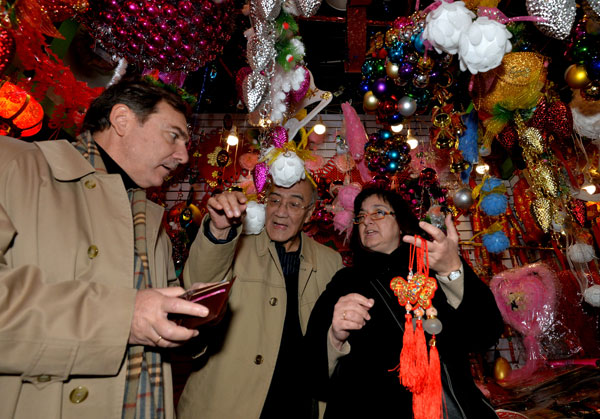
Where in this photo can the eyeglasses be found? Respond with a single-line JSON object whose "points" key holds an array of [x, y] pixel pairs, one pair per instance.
{"points": [[375, 216], [293, 205]]}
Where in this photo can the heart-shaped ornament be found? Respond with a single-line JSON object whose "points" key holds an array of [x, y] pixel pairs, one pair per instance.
{"points": [[260, 53], [558, 15], [254, 89]]}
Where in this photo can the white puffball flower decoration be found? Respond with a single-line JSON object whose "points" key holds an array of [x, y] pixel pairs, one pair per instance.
{"points": [[254, 221], [592, 295], [482, 45], [586, 116], [445, 24], [581, 253], [287, 169]]}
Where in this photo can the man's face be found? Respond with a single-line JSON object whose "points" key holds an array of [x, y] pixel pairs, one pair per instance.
{"points": [[156, 147], [287, 211]]}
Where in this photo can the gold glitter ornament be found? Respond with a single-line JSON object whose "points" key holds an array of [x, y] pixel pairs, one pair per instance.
{"points": [[542, 212], [533, 139], [391, 37], [544, 177]]}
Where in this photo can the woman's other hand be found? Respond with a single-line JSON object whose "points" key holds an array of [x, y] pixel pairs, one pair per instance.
{"points": [[351, 312], [443, 250]]}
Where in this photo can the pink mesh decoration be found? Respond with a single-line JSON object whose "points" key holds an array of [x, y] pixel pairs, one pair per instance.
{"points": [[315, 164], [356, 136], [526, 297], [347, 195]]}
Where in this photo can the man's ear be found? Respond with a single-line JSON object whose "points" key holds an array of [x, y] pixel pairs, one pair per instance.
{"points": [[309, 213], [121, 118]]}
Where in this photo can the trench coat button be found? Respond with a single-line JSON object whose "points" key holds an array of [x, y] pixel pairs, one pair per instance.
{"points": [[90, 184], [258, 360], [78, 394], [273, 301], [43, 378], [92, 251]]}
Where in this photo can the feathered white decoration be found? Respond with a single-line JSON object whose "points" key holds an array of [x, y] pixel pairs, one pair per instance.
{"points": [[254, 221], [482, 45], [581, 253], [592, 295], [283, 82], [586, 116], [445, 24], [287, 169]]}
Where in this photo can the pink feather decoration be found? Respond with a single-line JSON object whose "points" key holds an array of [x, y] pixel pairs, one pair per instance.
{"points": [[315, 164], [347, 195], [356, 136], [248, 160], [342, 221]]}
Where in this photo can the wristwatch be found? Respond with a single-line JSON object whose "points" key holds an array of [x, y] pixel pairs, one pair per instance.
{"points": [[452, 275]]}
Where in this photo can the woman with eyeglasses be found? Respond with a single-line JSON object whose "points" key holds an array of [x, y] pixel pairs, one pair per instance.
{"points": [[355, 332]]}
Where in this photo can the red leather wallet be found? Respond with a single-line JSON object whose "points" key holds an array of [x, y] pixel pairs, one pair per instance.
{"points": [[214, 297]]}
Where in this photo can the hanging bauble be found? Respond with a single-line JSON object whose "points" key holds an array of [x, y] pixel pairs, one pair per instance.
{"points": [[7, 48], [254, 90], [287, 169], [392, 70], [502, 369], [576, 76], [592, 295], [445, 24], [370, 102], [558, 16], [482, 45], [586, 116], [254, 221], [168, 36], [407, 106], [593, 67], [463, 198], [496, 242], [581, 253], [380, 88], [261, 173]]}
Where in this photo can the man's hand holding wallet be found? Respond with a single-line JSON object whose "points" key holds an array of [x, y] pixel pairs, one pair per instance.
{"points": [[213, 296]]}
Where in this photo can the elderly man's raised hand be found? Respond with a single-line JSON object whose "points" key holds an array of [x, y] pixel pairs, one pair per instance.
{"points": [[226, 210], [443, 250], [150, 325]]}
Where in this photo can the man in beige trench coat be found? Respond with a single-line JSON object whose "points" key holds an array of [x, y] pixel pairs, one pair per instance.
{"points": [[73, 324], [254, 369]]}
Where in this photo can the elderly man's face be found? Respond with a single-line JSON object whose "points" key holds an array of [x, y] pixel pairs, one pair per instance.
{"points": [[156, 147], [287, 211]]}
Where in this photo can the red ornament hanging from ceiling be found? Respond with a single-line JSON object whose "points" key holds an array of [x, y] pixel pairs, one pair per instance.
{"points": [[20, 114]]}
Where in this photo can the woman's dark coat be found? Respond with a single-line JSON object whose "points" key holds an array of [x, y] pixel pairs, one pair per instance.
{"points": [[362, 384]]}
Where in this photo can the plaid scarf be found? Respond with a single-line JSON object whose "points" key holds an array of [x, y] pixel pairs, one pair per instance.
{"points": [[144, 387]]}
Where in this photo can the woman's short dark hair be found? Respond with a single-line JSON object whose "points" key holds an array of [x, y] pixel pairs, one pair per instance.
{"points": [[139, 95], [407, 221]]}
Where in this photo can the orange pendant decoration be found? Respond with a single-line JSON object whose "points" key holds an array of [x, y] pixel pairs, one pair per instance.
{"points": [[418, 371]]}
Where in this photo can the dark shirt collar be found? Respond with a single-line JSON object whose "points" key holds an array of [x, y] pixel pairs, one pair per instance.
{"points": [[113, 168]]}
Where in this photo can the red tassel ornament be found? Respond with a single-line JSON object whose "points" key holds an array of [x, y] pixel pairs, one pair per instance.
{"points": [[419, 371]]}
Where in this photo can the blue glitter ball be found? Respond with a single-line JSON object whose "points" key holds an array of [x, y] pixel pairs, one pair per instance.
{"points": [[496, 242], [494, 204]]}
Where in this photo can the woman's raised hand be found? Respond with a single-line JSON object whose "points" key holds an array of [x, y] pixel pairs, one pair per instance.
{"points": [[351, 312]]}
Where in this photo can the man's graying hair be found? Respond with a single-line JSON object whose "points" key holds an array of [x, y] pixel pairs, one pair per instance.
{"points": [[140, 96]]}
